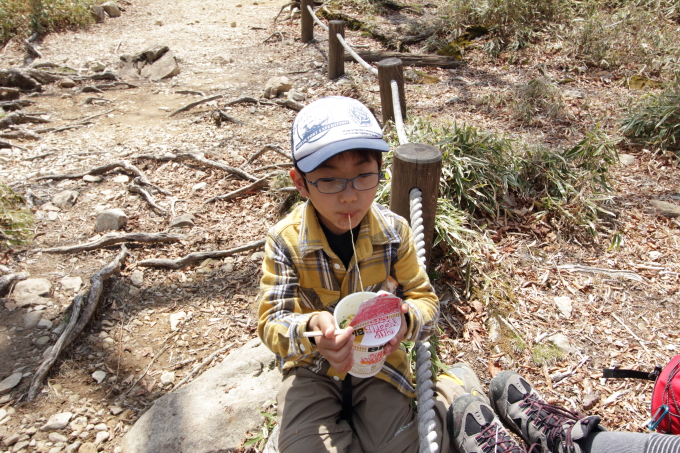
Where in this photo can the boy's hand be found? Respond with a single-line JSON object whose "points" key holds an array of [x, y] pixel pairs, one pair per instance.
{"points": [[394, 343], [336, 349]]}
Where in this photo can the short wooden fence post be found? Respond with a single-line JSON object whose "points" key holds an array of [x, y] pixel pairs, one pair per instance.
{"points": [[416, 165], [336, 53], [391, 69], [307, 22]]}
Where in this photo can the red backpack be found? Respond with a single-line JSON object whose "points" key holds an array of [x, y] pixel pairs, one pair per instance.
{"points": [[665, 397]]}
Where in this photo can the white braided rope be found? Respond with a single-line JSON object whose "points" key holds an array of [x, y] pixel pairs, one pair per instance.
{"points": [[356, 56], [416, 201], [398, 119], [425, 392], [316, 19]]}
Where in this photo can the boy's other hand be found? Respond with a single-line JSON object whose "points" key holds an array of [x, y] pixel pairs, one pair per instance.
{"points": [[336, 349], [394, 343]]}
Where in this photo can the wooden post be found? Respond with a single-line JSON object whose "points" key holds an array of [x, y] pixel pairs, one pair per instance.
{"points": [[417, 165], [306, 21], [391, 69], [336, 53]]}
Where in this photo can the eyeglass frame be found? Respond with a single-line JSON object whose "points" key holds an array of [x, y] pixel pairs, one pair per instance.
{"points": [[381, 175]]}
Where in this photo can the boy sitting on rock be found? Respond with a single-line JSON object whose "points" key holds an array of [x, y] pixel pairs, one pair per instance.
{"points": [[310, 265]]}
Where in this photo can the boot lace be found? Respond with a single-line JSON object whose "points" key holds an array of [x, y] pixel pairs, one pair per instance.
{"points": [[494, 439], [553, 421]]}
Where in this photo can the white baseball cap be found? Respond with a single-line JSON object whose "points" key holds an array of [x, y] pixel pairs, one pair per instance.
{"points": [[330, 126]]}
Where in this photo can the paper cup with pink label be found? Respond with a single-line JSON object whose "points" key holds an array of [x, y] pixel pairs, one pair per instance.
{"points": [[376, 319]]}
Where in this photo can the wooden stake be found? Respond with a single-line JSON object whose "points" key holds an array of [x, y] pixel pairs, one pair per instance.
{"points": [[417, 165], [388, 70], [336, 53], [306, 21]]}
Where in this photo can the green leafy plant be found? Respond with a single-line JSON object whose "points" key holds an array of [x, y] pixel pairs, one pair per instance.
{"points": [[655, 121], [23, 17], [258, 440], [15, 218]]}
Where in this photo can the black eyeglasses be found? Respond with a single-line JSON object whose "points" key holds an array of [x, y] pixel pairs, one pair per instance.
{"points": [[365, 181]]}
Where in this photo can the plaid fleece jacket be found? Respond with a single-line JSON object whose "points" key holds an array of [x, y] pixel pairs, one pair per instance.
{"points": [[302, 276]]}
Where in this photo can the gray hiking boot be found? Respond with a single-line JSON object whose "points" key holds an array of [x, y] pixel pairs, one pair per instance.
{"points": [[474, 428], [463, 374], [553, 428]]}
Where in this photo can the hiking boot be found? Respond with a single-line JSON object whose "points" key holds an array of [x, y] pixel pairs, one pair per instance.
{"points": [[474, 428], [553, 428], [463, 374]]}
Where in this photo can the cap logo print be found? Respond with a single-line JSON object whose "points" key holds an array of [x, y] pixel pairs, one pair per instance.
{"points": [[360, 115], [314, 127]]}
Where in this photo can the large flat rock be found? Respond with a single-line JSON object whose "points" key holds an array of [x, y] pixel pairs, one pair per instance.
{"points": [[212, 413]]}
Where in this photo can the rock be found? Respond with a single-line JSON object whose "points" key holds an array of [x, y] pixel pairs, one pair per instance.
{"points": [[33, 291], [73, 447], [155, 63], [167, 377], [102, 436], [183, 221], [124, 179], [257, 256], [19, 446], [561, 342], [88, 447], [232, 393], [31, 319], [296, 95], [98, 14], [78, 423], [92, 178], [57, 421], [99, 376], [41, 341], [666, 209], [137, 277], [45, 324], [627, 159], [115, 410], [590, 401], [11, 440], [56, 437], [65, 199], [163, 68], [111, 219], [276, 85], [66, 83], [564, 305], [71, 283], [220, 60], [111, 9], [199, 186], [175, 319], [10, 382], [97, 66], [134, 291], [101, 427], [233, 25]]}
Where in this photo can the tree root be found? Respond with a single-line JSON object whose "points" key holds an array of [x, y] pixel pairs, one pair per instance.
{"points": [[113, 239], [136, 188], [191, 258], [260, 183], [124, 165], [220, 115], [6, 281], [200, 158], [194, 104], [20, 118], [80, 316], [265, 148]]}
